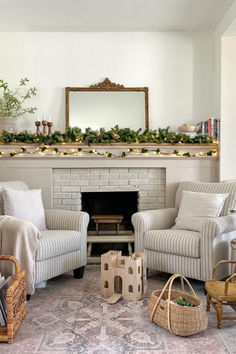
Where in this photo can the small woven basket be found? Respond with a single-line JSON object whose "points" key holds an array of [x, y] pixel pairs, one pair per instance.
{"points": [[16, 302], [179, 320]]}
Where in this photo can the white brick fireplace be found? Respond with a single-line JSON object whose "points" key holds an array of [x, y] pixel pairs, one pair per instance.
{"points": [[69, 183]]}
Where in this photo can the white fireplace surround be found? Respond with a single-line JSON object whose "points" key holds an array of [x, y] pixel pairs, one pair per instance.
{"points": [[39, 171], [68, 184]]}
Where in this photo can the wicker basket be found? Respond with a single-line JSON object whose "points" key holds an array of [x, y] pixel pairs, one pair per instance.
{"points": [[16, 303], [179, 320]]}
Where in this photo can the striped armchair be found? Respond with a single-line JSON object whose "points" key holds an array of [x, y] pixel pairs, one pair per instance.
{"points": [[63, 246], [190, 253]]}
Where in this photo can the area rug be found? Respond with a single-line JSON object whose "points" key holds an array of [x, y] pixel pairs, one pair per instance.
{"points": [[70, 316]]}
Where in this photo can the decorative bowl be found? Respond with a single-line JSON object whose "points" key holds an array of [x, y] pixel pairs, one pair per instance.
{"points": [[187, 128]]}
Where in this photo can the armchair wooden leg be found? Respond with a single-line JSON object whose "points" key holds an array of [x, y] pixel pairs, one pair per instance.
{"points": [[79, 272], [219, 313], [208, 305]]}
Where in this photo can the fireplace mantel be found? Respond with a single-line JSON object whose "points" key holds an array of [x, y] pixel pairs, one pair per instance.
{"points": [[37, 169]]}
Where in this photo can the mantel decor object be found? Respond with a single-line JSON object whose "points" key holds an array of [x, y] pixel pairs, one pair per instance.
{"points": [[106, 104], [114, 136], [74, 151], [44, 124], [8, 123], [37, 124], [187, 128], [12, 104], [49, 124]]}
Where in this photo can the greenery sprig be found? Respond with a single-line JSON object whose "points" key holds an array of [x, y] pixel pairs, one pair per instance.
{"points": [[12, 102], [114, 135]]}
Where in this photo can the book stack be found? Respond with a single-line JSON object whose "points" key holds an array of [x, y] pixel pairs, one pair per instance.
{"points": [[210, 127], [4, 285]]}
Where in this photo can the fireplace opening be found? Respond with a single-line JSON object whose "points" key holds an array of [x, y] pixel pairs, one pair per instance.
{"points": [[114, 208]]}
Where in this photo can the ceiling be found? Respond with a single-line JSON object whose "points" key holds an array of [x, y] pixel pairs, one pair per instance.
{"points": [[231, 30], [111, 15]]}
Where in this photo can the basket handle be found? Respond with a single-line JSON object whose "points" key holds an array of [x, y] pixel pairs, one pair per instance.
{"points": [[170, 284], [16, 264], [183, 279]]}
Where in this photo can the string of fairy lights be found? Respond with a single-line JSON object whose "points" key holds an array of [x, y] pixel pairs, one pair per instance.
{"points": [[46, 150]]}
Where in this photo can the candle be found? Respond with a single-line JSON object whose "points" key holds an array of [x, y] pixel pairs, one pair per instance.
{"points": [[49, 118]]}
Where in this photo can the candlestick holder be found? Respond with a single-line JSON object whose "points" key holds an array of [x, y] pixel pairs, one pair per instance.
{"points": [[37, 124], [44, 123], [49, 124]]}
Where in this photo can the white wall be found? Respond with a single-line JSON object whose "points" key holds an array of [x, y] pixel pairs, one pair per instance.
{"points": [[228, 108], [219, 32], [224, 106], [177, 67]]}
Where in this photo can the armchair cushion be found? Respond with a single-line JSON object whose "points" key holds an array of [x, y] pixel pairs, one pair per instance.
{"points": [[151, 220], [178, 242], [205, 187], [18, 185], [26, 205], [54, 243], [195, 207]]}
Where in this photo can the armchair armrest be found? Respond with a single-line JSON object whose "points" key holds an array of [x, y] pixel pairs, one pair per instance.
{"points": [[66, 220], [225, 224], [212, 232], [218, 226], [70, 220], [151, 220]]}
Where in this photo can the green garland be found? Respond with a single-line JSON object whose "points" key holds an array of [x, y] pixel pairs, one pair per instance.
{"points": [[78, 151], [115, 135]]}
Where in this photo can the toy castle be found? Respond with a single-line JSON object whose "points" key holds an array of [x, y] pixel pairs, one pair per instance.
{"points": [[123, 276]]}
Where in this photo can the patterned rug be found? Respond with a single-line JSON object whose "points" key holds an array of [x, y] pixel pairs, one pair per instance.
{"points": [[70, 316]]}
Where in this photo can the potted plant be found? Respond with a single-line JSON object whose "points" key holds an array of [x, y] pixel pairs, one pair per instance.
{"points": [[12, 103]]}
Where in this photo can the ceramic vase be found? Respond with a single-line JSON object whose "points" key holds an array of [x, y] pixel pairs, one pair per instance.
{"points": [[8, 123]]}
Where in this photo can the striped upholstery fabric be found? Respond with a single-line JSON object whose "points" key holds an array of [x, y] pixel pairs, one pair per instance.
{"points": [[54, 243], [180, 251], [151, 220], [63, 247], [170, 263], [179, 242], [70, 220], [66, 220], [55, 266], [223, 187], [17, 185], [216, 236]]}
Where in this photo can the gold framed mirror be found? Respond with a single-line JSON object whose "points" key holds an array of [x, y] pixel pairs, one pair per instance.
{"points": [[105, 105]]}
